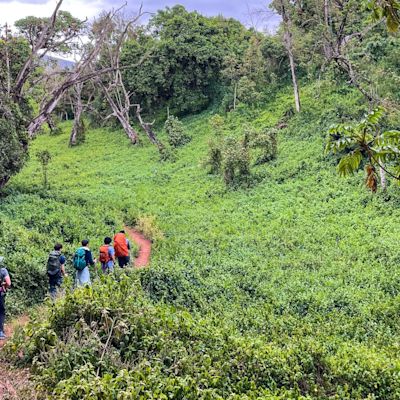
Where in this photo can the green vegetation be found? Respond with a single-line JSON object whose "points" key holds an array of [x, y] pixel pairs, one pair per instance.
{"points": [[272, 276], [285, 289]]}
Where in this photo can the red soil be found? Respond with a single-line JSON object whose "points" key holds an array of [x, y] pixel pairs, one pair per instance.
{"points": [[143, 259]]}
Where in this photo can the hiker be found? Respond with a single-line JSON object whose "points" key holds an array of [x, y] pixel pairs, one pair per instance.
{"points": [[5, 284], [107, 256], [55, 269], [122, 247], [82, 260]]}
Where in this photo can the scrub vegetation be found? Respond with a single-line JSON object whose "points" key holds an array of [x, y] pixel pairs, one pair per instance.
{"points": [[274, 268]]}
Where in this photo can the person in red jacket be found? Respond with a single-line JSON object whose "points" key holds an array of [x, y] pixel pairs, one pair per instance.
{"points": [[122, 248]]}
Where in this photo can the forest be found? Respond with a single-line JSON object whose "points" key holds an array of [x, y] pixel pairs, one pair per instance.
{"points": [[263, 167]]}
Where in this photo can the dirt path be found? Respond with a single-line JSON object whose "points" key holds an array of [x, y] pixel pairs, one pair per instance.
{"points": [[143, 258], [15, 384]]}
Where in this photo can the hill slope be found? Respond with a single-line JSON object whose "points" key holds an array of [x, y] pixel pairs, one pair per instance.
{"points": [[283, 289]]}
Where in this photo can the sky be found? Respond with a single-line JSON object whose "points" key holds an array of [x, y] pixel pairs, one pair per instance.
{"points": [[243, 10]]}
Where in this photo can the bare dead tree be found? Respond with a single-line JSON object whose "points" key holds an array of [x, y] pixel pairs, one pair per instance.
{"points": [[77, 106], [41, 45], [282, 7], [115, 92], [147, 127], [85, 69]]}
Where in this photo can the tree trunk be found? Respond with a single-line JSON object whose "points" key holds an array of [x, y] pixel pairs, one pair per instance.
{"points": [[235, 96], [147, 128], [4, 181], [288, 41], [51, 124], [383, 178], [130, 132], [121, 115], [78, 109]]}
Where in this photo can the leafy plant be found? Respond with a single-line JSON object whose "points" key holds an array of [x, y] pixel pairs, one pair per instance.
{"points": [[364, 143], [175, 131], [44, 158]]}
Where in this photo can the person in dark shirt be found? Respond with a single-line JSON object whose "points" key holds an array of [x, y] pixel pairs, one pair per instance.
{"points": [[56, 269], [5, 284]]}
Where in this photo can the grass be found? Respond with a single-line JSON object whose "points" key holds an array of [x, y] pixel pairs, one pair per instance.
{"points": [[301, 260]]}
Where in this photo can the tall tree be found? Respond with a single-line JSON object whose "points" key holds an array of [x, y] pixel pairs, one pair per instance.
{"points": [[283, 9]]}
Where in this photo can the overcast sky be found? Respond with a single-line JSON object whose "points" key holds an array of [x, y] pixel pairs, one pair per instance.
{"points": [[10, 11]]}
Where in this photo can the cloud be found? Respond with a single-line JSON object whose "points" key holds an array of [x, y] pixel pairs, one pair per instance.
{"points": [[10, 11]]}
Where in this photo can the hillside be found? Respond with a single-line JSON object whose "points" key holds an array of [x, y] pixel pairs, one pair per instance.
{"points": [[284, 288]]}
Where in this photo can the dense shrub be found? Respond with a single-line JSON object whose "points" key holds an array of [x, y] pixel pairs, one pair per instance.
{"points": [[235, 160], [175, 131]]}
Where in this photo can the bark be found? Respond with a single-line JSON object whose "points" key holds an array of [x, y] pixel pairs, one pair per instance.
{"points": [[147, 127], [122, 114], [288, 42], [29, 64], [78, 110], [8, 66], [51, 124], [4, 181], [383, 177], [235, 96]]}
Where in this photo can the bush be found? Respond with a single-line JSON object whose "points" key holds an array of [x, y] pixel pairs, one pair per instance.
{"points": [[147, 225], [175, 131], [13, 142], [267, 144], [235, 160]]}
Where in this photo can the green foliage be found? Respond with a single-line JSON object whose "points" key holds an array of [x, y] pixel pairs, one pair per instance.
{"points": [[147, 225], [365, 142], [388, 9], [186, 52], [176, 132], [13, 141], [282, 290], [66, 26], [266, 142], [44, 158], [235, 160]]}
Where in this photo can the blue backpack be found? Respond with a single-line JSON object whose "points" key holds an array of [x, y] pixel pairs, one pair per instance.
{"points": [[80, 259]]}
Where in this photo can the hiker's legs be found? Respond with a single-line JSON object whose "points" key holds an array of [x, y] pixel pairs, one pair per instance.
{"points": [[55, 281], [2, 312], [83, 277], [123, 261]]}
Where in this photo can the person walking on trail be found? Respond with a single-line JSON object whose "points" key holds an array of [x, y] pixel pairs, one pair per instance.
{"points": [[107, 256], [122, 247], [5, 284], [56, 269], [82, 260]]}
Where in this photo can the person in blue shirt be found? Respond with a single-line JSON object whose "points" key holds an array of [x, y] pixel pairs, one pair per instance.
{"points": [[5, 283], [56, 269], [107, 256]]}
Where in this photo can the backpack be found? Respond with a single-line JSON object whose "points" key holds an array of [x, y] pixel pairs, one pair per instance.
{"points": [[80, 259], [120, 245], [53, 263], [104, 255]]}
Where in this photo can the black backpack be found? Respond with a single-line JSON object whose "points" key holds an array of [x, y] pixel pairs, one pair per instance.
{"points": [[53, 263]]}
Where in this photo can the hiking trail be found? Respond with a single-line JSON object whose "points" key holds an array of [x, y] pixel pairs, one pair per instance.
{"points": [[14, 382], [144, 244]]}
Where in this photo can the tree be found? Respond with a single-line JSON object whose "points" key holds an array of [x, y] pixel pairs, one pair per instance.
{"points": [[187, 51], [44, 158], [388, 9], [282, 7], [363, 143], [13, 140], [112, 84]]}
